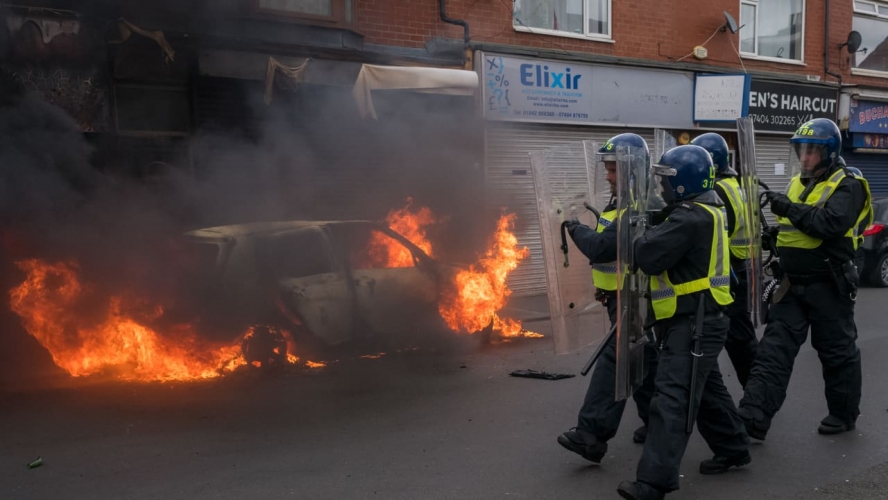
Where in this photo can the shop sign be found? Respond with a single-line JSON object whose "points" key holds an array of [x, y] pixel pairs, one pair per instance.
{"points": [[868, 116], [784, 107], [721, 98], [543, 90]]}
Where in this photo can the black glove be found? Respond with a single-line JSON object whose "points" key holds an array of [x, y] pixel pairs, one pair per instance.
{"points": [[572, 225], [780, 204]]}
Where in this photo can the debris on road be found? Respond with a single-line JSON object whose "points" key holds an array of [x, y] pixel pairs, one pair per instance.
{"points": [[541, 375], [36, 463]]}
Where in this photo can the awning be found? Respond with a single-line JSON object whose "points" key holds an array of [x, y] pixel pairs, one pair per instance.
{"points": [[417, 79]]}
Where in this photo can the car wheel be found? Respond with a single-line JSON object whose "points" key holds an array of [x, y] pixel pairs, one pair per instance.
{"points": [[879, 274]]}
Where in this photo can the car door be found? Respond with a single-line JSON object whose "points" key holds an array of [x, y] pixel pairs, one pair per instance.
{"points": [[395, 290], [312, 283]]}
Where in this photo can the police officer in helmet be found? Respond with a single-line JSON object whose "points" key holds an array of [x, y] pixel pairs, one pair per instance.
{"points": [[741, 343], [818, 217], [600, 415], [687, 259]]}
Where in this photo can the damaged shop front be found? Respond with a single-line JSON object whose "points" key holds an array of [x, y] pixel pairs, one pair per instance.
{"points": [[532, 104]]}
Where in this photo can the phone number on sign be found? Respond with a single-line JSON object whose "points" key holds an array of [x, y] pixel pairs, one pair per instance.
{"points": [[791, 121]]}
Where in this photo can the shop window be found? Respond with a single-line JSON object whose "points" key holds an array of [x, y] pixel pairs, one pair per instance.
{"points": [[329, 11], [573, 18], [871, 21], [151, 110], [773, 29]]}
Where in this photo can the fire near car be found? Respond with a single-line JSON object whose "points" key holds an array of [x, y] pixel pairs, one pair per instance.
{"points": [[336, 281]]}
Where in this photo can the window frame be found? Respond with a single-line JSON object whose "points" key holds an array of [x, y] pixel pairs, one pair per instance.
{"points": [[874, 15], [755, 55], [586, 35], [338, 14]]}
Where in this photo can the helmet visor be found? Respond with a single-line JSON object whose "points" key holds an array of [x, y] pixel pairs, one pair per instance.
{"points": [[661, 189], [807, 160]]}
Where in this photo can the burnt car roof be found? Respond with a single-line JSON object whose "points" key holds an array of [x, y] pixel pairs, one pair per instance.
{"points": [[259, 228]]}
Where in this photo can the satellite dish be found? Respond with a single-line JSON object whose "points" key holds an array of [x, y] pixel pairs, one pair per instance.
{"points": [[730, 23], [854, 41]]}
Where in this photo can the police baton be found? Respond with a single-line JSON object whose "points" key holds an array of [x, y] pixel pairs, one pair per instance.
{"points": [[599, 350], [696, 354]]}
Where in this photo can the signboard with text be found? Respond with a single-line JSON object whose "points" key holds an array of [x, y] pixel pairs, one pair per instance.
{"points": [[721, 98], [784, 107], [868, 116], [542, 90]]}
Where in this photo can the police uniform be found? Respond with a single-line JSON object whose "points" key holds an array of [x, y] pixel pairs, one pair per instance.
{"points": [[600, 415], [818, 222], [687, 259], [741, 343]]}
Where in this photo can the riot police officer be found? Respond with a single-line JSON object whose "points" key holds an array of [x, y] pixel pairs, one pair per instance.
{"points": [[600, 414], [687, 259], [741, 343], [818, 216]]}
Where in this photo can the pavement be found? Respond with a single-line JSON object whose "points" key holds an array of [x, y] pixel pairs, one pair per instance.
{"points": [[445, 423]]}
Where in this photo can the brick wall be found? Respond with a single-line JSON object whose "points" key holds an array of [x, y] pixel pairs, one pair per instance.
{"points": [[659, 30]]}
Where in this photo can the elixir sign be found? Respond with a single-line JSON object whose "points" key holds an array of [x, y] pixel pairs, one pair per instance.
{"points": [[784, 107], [535, 90]]}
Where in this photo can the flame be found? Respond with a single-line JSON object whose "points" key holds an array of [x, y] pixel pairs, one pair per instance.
{"points": [[387, 252], [481, 291], [48, 302], [319, 364], [373, 356]]}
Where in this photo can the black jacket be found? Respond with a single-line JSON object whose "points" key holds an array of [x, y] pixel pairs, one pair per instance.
{"points": [[681, 247], [599, 248], [829, 223]]}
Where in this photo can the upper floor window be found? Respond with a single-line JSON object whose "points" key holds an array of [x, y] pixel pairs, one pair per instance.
{"points": [[574, 18], [334, 11], [871, 21], [773, 29]]}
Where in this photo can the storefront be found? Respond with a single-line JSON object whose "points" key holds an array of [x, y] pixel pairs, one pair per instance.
{"points": [[867, 142], [534, 104], [778, 109]]}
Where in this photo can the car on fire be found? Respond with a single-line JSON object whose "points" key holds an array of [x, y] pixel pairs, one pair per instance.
{"points": [[328, 281]]}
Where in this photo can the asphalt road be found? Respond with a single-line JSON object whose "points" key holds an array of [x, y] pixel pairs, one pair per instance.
{"points": [[447, 423]]}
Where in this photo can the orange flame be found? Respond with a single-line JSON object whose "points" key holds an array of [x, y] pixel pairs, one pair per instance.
{"points": [[482, 291], [312, 364], [47, 301], [388, 253]]}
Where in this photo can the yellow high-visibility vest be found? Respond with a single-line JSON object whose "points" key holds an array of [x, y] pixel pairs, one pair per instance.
{"points": [[740, 237], [791, 237], [664, 293], [604, 276]]}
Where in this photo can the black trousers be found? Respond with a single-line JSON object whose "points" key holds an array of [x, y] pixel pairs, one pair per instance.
{"points": [[741, 344], [600, 415], [830, 316], [716, 416]]}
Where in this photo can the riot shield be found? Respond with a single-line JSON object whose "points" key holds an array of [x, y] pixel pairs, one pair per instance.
{"points": [[564, 183], [749, 184], [633, 165]]}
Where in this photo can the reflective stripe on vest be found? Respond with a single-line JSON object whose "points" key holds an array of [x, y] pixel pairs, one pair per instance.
{"points": [[604, 275], [664, 294], [789, 236], [866, 215], [737, 199]]}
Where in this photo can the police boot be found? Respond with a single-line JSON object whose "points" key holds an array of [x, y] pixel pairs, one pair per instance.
{"points": [[583, 444], [639, 491], [755, 421], [718, 465], [834, 425], [640, 435]]}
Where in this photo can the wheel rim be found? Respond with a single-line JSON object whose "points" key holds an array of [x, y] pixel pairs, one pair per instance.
{"points": [[884, 271]]}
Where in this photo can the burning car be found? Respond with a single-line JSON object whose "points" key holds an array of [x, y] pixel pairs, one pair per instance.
{"points": [[335, 281]]}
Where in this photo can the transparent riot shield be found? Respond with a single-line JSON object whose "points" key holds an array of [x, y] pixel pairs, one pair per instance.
{"points": [[633, 165], [663, 141], [564, 183], [749, 183]]}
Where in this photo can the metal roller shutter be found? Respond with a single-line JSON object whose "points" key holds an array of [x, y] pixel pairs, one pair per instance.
{"points": [[509, 184], [770, 151], [874, 167]]}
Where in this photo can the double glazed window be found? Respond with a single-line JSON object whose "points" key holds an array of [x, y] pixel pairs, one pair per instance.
{"points": [[773, 29], [578, 18], [871, 21]]}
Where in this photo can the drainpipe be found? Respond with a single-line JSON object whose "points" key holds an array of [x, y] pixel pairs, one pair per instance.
{"points": [[825, 47], [442, 8]]}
